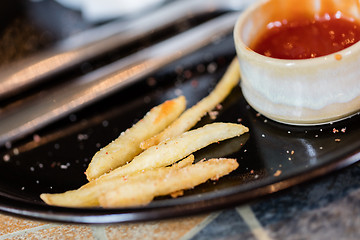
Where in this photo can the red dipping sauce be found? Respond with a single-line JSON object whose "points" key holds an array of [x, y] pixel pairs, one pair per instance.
{"points": [[303, 38]]}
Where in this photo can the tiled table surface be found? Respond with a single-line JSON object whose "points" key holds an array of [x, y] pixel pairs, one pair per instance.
{"points": [[325, 208]]}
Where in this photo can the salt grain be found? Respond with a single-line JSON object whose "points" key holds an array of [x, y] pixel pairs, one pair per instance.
{"points": [[178, 92], [219, 106], [16, 151], [277, 173], [6, 157], [82, 137], [194, 83], [211, 68], [63, 166], [36, 138], [213, 114], [188, 74]]}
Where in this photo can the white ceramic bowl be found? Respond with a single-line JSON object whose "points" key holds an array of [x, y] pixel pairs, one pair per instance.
{"points": [[300, 92]]}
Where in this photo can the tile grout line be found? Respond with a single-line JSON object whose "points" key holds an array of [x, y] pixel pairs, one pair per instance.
{"points": [[253, 223], [26, 231], [99, 232], [191, 233]]}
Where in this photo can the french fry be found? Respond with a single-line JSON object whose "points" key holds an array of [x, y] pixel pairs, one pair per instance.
{"points": [[174, 149], [225, 149], [171, 180], [185, 162], [192, 115], [140, 165], [164, 154], [84, 196], [126, 146]]}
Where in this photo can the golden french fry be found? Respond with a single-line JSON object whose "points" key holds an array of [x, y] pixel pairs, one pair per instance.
{"points": [[192, 115], [88, 196], [224, 149], [176, 148], [135, 193], [126, 146], [185, 162], [164, 154]]}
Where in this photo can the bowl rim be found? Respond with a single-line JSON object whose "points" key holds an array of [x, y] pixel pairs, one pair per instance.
{"points": [[240, 45]]}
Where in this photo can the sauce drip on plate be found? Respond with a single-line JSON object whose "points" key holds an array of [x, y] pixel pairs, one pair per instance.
{"points": [[307, 38]]}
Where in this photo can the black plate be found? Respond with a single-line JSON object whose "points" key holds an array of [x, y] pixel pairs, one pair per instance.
{"points": [[272, 156]]}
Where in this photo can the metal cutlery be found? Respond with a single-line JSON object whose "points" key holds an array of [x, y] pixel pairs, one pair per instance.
{"points": [[89, 44]]}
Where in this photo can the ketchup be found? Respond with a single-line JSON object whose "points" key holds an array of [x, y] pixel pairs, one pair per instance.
{"points": [[303, 38]]}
